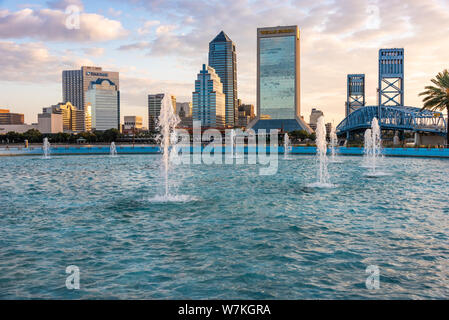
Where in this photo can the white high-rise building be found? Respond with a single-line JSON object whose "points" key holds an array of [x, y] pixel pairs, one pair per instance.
{"points": [[103, 97]]}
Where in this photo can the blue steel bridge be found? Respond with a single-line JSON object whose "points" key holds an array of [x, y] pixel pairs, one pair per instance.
{"points": [[390, 111], [398, 118]]}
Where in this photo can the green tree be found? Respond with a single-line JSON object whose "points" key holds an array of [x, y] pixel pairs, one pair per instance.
{"points": [[436, 98], [33, 136]]}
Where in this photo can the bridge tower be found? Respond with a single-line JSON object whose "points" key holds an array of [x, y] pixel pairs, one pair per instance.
{"points": [[391, 78], [355, 92]]}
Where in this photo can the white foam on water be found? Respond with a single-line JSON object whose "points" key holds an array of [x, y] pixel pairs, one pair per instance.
{"points": [[320, 185], [172, 198]]}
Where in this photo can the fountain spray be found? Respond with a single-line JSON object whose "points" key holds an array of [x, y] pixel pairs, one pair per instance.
{"points": [[321, 144], [287, 146], [46, 147], [167, 122]]}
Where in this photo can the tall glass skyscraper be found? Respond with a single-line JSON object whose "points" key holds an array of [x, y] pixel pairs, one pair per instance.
{"points": [[278, 89], [222, 58]]}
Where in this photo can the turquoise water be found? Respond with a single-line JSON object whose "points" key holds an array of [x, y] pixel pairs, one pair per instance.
{"points": [[238, 235]]}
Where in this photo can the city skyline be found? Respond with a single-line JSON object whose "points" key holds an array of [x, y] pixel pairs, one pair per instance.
{"points": [[156, 48]]}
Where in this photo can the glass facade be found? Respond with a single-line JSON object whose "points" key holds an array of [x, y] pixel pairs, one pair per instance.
{"points": [[208, 99], [277, 77], [222, 57]]}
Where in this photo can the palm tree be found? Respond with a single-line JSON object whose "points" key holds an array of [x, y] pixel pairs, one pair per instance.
{"points": [[437, 97]]}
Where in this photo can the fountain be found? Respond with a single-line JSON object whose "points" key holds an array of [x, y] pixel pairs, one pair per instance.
{"points": [[321, 148], [167, 122], [46, 147], [113, 149], [334, 143], [373, 146], [287, 146], [233, 148]]}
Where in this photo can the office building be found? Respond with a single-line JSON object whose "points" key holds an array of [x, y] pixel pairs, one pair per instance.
{"points": [[72, 117], [209, 104], [314, 116], [8, 118], [132, 124], [154, 108], [278, 80], [184, 111], [246, 114], [76, 83], [88, 118], [104, 99], [50, 122], [328, 129], [222, 57]]}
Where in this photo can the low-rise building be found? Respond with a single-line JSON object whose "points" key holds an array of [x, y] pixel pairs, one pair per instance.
{"points": [[19, 128], [49, 122], [73, 118], [8, 118], [132, 124]]}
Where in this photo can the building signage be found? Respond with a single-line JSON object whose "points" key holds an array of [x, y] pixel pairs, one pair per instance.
{"points": [[96, 74], [278, 31]]}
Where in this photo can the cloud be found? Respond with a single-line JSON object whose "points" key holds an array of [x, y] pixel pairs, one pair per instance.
{"points": [[95, 52], [50, 25], [63, 4], [337, 38], [114, 13], [135, 46], [147, 27], [33, 62]]}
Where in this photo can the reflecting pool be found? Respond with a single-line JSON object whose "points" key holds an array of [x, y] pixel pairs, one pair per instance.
{"points": [[227, 232]]}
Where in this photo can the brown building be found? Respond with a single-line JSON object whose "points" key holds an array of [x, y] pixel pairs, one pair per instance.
{"points": [[8, 118], [246, 114]]}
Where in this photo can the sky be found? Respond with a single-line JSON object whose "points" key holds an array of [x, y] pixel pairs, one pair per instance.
{"points": [[160, 46]]}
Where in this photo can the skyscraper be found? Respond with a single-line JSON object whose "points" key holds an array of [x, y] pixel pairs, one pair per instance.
{"points": [[278, 87], [154, 108], [75, 83], [104, 99], [209, 105], [222, 58]]}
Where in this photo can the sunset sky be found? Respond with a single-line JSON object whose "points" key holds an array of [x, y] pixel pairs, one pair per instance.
{"points": [[160, 46]]}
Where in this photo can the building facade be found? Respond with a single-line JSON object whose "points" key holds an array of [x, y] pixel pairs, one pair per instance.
{"points": [[278, 80], [314, 116], [246, 114], [209, 102], [154, 108], [103, 97], [50, 122], [8, 118], [132, 124], [184, 111], [76, 83], [72, 117], [19, 128], [222, 57]]}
